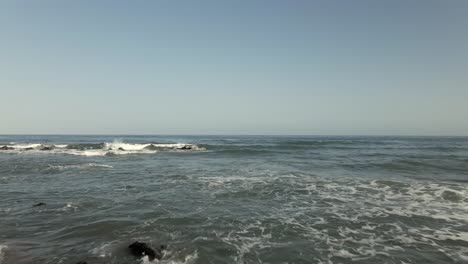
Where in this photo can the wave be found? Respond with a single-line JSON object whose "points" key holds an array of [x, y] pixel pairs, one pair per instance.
{"points": [[80, 166], [415, 166], [319, 142], [98, 149], [2, 252]]}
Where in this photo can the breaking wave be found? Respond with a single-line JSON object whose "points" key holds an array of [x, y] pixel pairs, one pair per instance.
{"points": [[2, 252], [97, 149]]}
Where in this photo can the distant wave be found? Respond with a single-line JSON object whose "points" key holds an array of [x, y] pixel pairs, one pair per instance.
{"points": [[97, 149], [407, 165]]}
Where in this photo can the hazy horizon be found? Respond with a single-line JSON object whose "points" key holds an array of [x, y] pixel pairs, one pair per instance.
{"points": [[234, 68], [246, 135]]}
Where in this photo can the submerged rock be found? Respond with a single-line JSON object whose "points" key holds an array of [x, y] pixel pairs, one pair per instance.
{"points": [[122, 149], [28, 149], [6, 148], [186, 147], [46, 148], [82, 262], [39, 204], [142, 249]]}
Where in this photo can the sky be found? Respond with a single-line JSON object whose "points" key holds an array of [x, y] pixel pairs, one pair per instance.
{"points": [[234, 67]]}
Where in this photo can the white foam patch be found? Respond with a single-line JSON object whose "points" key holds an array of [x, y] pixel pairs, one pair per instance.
{"points": [[104, 250], [24, 146], [127, 152], [126, 146], [3, 249], [338, 215], [188, 259], [89, 153], [80, 166], [70, 206]]}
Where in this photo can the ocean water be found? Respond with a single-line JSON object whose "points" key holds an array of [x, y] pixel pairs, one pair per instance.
{"points": [[234, 199]]}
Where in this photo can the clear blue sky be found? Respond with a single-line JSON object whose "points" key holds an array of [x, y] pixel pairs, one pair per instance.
{"points": [[234, 67]]}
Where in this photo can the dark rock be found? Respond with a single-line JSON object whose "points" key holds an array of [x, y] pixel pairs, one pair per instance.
{"points": [[186, 147], [46, 148], [151, 147], [142, 249], [82, 262], [6, 148], [28, 149], [39, 204], [451, 196], [122, 149]]}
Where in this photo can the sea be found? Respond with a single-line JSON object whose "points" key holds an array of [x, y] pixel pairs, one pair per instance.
{"points": [[233, 199]]}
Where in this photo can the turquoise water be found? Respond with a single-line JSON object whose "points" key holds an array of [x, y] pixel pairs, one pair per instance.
{"points": [[234, 199]]}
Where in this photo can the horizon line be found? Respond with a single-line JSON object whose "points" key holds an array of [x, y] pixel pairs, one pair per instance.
{"points": [[201, 134]]}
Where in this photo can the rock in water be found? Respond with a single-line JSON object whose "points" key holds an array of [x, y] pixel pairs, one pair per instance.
{"points": [[6, 148], [142, 249], [121, 149], [39, 204]]}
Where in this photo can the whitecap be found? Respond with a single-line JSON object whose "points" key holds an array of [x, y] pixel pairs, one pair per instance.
{"points": [[125, 146], [80, 166], [3, 249], [26, 146], [188, 259]]}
